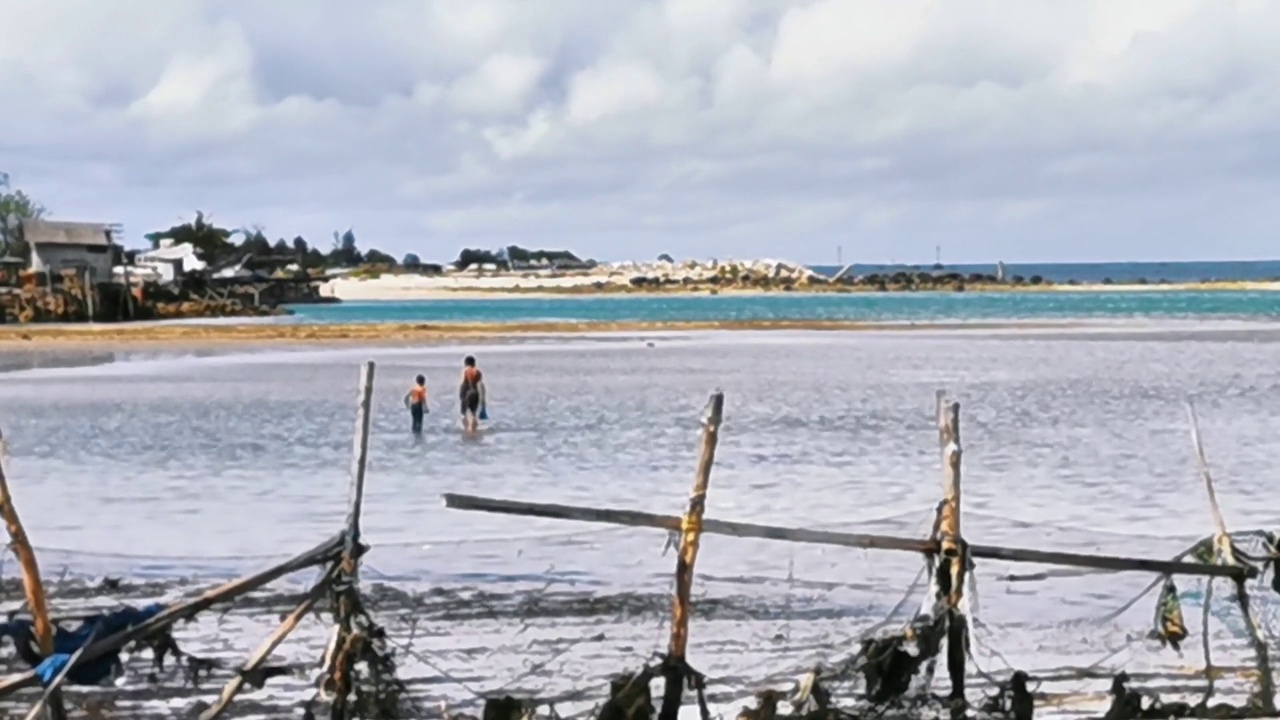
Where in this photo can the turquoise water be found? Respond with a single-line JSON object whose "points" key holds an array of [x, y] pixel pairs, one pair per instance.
{"points": [[870, 307], [1121, 272]]}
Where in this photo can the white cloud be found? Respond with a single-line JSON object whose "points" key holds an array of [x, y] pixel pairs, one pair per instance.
{"points": [[1020, 129], [609, 91], [501, 85]]}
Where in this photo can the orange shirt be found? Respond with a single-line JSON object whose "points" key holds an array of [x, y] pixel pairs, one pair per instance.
{"points": [[417, 394], [471, 375]]}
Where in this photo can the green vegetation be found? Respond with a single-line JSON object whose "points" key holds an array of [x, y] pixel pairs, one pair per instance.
{"points": [[16, 206]]}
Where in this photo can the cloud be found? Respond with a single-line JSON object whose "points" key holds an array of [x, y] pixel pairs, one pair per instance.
{"points": [[1021, 130]]}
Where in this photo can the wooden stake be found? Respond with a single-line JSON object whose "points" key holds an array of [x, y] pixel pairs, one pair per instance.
{"points": [[1226, 555], [349, 571], [90, 293], [55, 687], [327, 551], [954, 558], [635, 518], [359, 461], [690, 533], [255, 661], [32, 586]]}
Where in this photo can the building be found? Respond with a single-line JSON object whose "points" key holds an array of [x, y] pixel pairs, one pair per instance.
{"points": [[57, 246], [169, 261]]}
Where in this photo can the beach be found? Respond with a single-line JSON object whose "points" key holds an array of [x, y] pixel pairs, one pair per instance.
{"points": [[213, 463], [245, 336], [610, 281], [221, 446]]}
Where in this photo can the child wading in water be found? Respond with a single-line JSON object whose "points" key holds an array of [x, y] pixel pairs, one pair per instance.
{"points": [[471, 394], [416, 401]]}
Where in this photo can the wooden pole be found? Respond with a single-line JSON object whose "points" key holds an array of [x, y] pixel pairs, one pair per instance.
{"points": [[674, 669], [954, 557], [1226, 555], [348, 576], [360, 456], [32, 586], [128, 291], [672, 523], [89, 289], [255, 661], [327, 551], [54, 688]]}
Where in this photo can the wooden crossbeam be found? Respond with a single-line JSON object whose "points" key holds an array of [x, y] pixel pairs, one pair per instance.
{"points": [[635, 518]]}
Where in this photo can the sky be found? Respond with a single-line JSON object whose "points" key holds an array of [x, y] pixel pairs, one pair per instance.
{"points": [[1024, 131]]}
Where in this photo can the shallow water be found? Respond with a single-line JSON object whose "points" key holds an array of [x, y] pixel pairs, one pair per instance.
{"points": [[855, 307], [205, 466]]}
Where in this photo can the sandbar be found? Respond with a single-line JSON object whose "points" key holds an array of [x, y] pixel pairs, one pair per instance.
{"points": [[409, 287], [191, 335]]}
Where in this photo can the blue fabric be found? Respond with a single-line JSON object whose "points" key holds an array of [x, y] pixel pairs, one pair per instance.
{"points": [[67, 642]]}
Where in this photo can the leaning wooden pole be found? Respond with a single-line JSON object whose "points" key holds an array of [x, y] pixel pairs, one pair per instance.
{"points": [[675, 668], [328, 551], [954, 553], [347, 633], [255, 661], [32, 586], [1226, 554]]}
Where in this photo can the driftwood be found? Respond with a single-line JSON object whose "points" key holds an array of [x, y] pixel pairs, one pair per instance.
{"points": [[32, 586], [255, 661], [865, 541], [53, 691], [1226, 554], [889, 662], [675, 670], [954, 556], [360, 674], [320, 554]]}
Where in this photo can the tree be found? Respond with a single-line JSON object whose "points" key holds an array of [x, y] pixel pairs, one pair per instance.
{"points": [[411, 261], [255, 242], [15, 206], [212, 243], [344, 253], [377, 257]]}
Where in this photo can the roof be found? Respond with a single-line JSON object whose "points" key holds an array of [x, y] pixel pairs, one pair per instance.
{"points": [[51, 232]]}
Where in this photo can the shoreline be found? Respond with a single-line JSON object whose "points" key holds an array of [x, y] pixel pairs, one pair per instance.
{"points": [[198, 335], [409, 288]]}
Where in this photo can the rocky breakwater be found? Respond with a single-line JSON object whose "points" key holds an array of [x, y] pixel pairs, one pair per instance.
{"points": [[764, 275], [713, 275]]}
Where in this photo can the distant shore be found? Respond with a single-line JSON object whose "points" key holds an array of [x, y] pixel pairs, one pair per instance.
{"points": [[153, 336], [494, 285]]}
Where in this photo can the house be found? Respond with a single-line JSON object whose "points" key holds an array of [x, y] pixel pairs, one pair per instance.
{"points": [[169, 261], [57, 246]]}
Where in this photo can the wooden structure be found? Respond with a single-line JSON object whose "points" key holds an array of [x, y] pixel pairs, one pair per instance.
{"points": [[58, 245], [948, 557], [357, 675]]}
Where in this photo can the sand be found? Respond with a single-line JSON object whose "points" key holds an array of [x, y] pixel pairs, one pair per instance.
{"points": [[406, 287], [193, 335]]}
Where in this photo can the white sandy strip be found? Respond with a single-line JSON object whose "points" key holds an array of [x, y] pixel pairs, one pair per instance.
{"points": [[421, 287]]}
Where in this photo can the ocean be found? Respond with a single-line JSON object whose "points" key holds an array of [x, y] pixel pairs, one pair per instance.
{"points": [[919, 307], [180, 470], [1120, 272], [864, 307]]}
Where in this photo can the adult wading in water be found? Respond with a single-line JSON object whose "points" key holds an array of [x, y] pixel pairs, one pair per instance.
{"points": [[471, 394]]}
